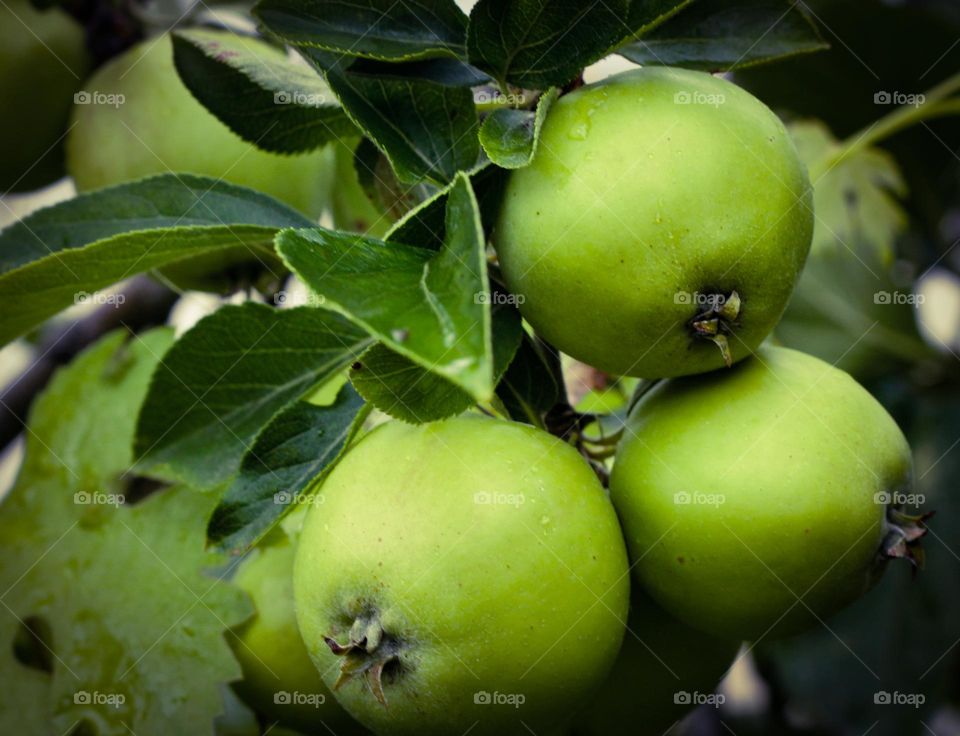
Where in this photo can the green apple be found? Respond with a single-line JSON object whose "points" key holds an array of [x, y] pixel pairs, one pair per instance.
{"points": [[279, 680], [43, 58], [760, 500], [665, 668], [661, 226], [461, 576], [140, 120]]}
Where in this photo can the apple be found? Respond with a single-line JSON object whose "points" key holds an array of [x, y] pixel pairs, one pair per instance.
{"points": [[279, 680], [461, 576], [665, 668], [661, 227], [760, 500], [43, 58], [141, 120]]}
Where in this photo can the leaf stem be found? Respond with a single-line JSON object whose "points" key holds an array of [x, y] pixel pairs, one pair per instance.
{"points": [[934, 105]]}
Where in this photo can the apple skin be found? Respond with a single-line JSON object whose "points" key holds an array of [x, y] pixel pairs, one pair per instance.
{"points": [[160, 127], [634, 203], [788, 455], [522, 593], [271, 651], [660, 658], [43, 58]]}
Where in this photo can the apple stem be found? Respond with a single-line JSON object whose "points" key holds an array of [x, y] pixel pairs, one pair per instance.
{"points": [[715, 319]]}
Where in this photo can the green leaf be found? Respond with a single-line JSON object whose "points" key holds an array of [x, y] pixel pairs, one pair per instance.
{"points": [[54, 256], [372, 29], [856, 197], [226, 378], [264, 98], [847, 308], [290, 454], [540, 43], [427, 131], [448, 72], [720, 35], [645, 15], [399, 387], [425, 305], [117, 590], [424, 225], [380, 184], [510, 137], [351, 208], [533, 383]]}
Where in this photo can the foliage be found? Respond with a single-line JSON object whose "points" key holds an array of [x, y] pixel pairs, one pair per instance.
{"points": [[428, 331], [445, 104], [111, 650]]}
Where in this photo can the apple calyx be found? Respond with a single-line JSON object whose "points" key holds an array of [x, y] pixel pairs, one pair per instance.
{"points": [[366, 655], [715, 320], [903, 535]]}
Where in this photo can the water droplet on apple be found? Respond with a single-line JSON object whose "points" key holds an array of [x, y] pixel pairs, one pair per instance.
{"points": [[579, 131]]}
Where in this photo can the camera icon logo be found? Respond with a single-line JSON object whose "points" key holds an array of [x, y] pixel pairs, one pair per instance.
{"points": [[682, 498], [82, 697], [682, 698], [282, 98], [282, 698], [283, 498], [881, 98], [682, 98], [82, 98], [482, 698]]}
